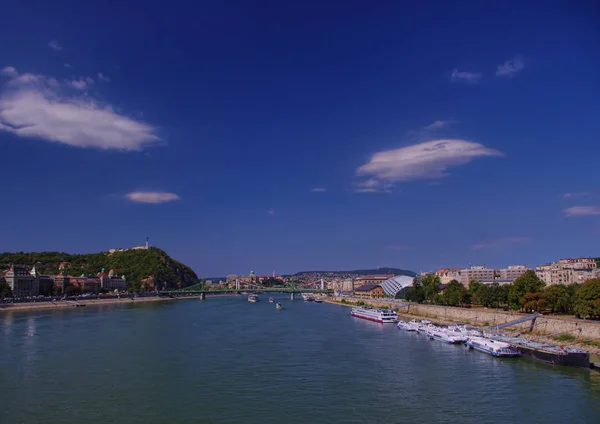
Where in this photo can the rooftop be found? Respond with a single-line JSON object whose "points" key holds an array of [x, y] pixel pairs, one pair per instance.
{"points": [[366, 287]]}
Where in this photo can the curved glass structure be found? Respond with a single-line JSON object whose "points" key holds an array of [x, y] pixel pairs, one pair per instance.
{"points": [[393, 285]]}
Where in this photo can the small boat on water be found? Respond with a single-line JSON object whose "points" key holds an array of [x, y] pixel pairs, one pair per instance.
{"points": [[408, 326], [425, 328], [307, 297], [318, 300], [493, 347], [278, 306], [271, 300], [383, 316], [253, 298], [443, 335]]}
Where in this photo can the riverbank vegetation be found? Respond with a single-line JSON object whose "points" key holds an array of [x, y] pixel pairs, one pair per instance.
{"points": [[527, 293]]}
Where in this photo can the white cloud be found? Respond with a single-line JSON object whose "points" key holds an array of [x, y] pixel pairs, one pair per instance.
{"points": [[9, 71], [55, 46], [271, 211], [578, 194], [36, 106], [79, 84], [501, 242], [103, 77], [429, 160], [438, 125], [373, 185], [318, 190], [470, 77], [152, 197], [67, 66], [510, 68], [582, 211]]}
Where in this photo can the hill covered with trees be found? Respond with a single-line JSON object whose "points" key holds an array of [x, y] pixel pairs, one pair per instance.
{"points": [[383, 270], [141, 267]]}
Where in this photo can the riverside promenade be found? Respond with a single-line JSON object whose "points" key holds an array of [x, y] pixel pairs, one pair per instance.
{"points": [[586, 333], [82, 302]]}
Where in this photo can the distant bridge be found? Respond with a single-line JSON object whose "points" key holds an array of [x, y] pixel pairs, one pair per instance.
{"points": [[199, 290]]}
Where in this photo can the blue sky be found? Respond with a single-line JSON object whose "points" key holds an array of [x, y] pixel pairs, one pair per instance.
{"points": [[290, 136]]}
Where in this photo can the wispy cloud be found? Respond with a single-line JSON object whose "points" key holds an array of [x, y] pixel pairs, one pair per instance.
{"points": [[36, 106], [438, 125], [469, 77], [373, 185], [510, 68], [429, 160], [103, 77], [152, 197], [501, 242], [9, 71], [318, 190], [271, 211], [80, 84], [68, 66], [577, 194], [55, 46], [582, 211]]}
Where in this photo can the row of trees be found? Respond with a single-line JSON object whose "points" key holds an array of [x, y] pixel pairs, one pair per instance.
{"points": [[526, 293]]}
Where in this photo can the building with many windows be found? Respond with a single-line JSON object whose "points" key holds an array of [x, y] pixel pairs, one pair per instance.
{"points": [[569, 271], [479, 273]]}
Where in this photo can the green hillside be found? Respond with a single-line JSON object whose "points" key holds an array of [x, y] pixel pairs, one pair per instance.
{"points": [[136, 265], [382, 270]]}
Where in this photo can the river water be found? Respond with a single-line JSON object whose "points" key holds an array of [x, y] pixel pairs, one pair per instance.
{"points": [[224, 360]]}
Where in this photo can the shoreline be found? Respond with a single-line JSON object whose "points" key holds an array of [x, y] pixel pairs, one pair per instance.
{"points": [[38, 306], [593, 349]]}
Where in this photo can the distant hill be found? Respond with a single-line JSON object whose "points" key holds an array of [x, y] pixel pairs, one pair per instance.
{"points": [[383, 270], [137, 265]]}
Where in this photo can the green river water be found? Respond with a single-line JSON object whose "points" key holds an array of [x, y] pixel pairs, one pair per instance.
{"points": [[224, 360]]}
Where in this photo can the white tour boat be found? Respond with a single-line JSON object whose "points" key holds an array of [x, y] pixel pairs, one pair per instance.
{"points": [[493, 347], [378, 315], [253, 298]]}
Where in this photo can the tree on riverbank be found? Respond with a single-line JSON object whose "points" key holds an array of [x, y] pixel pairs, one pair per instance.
{"points": [[528, 282], [588, 299], [558, 299]]}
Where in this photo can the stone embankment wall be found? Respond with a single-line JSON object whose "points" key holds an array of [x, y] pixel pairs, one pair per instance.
{"points": [[490, 317]]}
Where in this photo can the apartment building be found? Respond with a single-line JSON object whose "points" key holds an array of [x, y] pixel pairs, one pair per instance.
{"points": [[569, 271]]}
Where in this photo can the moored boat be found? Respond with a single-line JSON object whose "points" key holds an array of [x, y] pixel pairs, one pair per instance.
{"points": [[307, 297], [493, 347], [383, 316], [408, 326], [271, 300], [278, 306], [318, 300], [443, 335], [253, 298]]}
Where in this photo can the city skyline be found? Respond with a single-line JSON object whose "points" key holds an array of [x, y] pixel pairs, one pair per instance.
{"points": [[303, 137]]}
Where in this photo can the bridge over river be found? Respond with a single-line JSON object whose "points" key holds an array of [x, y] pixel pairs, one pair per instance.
{"points": [[199, 290]]}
